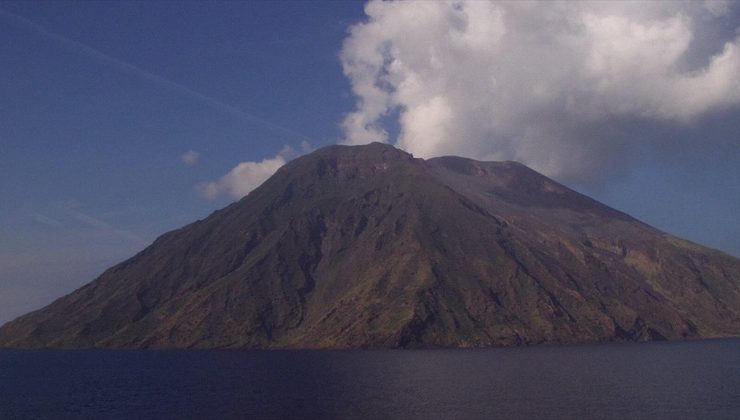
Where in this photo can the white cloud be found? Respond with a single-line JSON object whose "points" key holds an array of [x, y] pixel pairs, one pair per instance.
{"points": [[190, 157], [247, 176], [717, 7], [542, 83]]}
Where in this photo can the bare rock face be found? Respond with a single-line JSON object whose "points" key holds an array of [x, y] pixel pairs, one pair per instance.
{"points": [[366, 246]]}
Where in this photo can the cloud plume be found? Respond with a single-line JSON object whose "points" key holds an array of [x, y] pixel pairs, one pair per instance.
{"points": [[549, 84]]}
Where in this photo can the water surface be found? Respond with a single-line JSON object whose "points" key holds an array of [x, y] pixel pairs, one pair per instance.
{"points": [[654, 380]]}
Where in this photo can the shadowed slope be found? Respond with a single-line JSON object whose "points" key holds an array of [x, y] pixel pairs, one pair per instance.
{"points": [[366, 246]]}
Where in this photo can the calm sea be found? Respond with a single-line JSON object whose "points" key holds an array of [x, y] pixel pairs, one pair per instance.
{"points": [[698, 380]]}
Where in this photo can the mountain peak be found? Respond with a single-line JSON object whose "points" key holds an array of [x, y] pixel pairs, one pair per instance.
{"points": [[370, 151], [367, 246]]}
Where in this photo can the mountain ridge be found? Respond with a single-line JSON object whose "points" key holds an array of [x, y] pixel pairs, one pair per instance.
{"points": [[367, 246]]}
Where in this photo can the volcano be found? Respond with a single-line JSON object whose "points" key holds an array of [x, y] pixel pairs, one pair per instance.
{"points": [[369, 247]]}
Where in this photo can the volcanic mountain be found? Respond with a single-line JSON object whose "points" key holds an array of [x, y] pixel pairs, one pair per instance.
{"points": [[366, 246]]}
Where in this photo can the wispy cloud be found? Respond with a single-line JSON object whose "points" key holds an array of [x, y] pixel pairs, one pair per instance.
{"points": [[80, 48], [47, 221], [101, 225], [190, 157], [71, 248]]}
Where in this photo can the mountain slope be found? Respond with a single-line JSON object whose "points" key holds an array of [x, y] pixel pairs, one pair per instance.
{"points": [[366, 246]]}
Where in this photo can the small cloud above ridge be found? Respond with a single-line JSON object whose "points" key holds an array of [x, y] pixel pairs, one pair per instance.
{"points": [[190, 157], [246, 176]]}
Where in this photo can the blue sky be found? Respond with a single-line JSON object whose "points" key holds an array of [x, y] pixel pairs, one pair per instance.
{"points": [[100, 100]]}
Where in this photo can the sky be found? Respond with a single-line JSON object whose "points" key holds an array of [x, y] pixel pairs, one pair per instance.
{"points": [[120, 121]]}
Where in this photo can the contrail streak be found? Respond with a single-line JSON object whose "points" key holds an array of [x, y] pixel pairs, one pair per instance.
{"points": [[80, 48], [104, 226]]}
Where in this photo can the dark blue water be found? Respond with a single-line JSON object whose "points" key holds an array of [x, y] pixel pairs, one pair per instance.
{"points": [[657, 380]]}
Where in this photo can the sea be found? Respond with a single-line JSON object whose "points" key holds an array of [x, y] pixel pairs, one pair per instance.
{"points": [[659, 380]]}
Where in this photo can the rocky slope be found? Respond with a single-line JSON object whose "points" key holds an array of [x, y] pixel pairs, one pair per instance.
{"points": [[367, 246]]}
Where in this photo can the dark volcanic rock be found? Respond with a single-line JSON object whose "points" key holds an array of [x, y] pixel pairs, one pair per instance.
{"points": [[368, 247]]}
